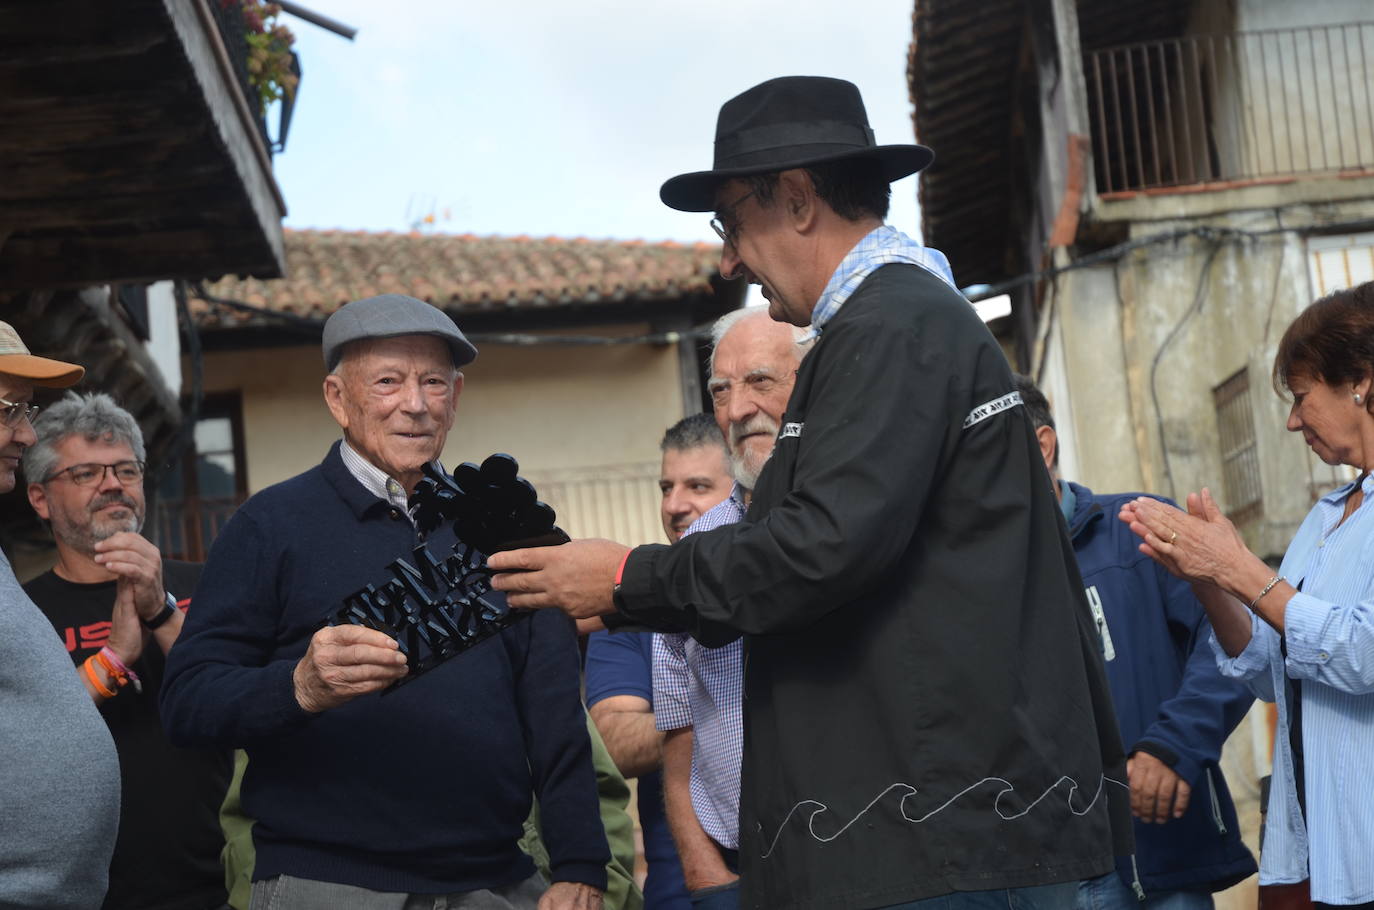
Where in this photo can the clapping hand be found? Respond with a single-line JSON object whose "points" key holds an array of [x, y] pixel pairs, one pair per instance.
{"points": [[1200, 545]]}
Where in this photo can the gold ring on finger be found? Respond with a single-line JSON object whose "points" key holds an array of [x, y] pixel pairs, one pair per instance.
{"points": [[1173, 537]]}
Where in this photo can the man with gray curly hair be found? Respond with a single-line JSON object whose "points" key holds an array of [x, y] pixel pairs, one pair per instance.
{"points": [[93, 417], [114, 602]]}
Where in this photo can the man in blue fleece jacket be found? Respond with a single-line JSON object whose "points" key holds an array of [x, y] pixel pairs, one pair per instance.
{"points": [[362, 801], [1174, 708]]}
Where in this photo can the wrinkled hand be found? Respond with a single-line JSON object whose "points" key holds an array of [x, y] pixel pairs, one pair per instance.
{"points": [[576, 577], [126, 632], [1208, 547], [1157, 792], [570, 896], [344, 662], [138, 564]]}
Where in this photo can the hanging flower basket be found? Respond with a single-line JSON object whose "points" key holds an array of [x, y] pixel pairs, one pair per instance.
{"points": [[272, 71]]}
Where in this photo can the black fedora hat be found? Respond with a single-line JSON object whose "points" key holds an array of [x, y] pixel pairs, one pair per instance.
{"points": [[792, 121]]}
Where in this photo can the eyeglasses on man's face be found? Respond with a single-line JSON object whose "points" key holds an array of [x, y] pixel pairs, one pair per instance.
{"points": [[13, 413], [83, 475], [728, 234]]}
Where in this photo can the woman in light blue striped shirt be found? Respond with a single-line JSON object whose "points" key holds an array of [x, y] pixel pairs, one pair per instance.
{"points": [[1303, 638]]}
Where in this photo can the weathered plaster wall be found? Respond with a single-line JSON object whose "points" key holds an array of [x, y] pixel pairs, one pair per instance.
{"points": [[1142, 351], [1222, 316], [1091, 397]]}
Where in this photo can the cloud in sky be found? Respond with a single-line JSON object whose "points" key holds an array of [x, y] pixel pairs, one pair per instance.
{"points": [[557, 118]]}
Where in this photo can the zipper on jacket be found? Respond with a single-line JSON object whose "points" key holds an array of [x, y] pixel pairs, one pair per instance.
{"points": [[1135, 881], [1216, 804]]}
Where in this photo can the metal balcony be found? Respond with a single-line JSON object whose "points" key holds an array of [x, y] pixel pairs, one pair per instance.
{"points": [[1233, 108]]}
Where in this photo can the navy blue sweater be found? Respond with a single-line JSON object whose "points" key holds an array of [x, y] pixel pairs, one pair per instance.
{"points": [[1171, 700], [424, 790]]}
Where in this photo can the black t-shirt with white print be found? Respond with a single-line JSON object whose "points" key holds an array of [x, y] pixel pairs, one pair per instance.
{"points": [[167, 853]]}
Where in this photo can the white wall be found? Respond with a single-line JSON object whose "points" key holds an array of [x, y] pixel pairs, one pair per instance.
{"points": [[164, 339]]}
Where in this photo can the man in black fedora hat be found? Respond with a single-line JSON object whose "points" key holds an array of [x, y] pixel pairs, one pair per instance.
{"points": [[926, 713]]}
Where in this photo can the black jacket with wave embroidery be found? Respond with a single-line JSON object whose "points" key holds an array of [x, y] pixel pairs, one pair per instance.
{"points": [[926, 709]]}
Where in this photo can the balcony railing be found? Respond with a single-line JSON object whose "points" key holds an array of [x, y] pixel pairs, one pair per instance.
{"points": [[1236, 107]]}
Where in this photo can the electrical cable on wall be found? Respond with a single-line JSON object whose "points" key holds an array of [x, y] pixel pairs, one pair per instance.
{"points": [[1218, 236], [309, 325], [1278, 273], [1199, 296], [1118, 251]]}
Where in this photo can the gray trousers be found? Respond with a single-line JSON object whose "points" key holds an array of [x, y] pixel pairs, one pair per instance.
{"points": [[285, 892]]}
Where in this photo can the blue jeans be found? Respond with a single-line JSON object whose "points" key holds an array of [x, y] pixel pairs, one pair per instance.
{"points": [[1109, 892], [1040, 897]]}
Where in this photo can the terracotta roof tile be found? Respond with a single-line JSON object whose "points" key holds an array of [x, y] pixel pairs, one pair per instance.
{"points": [[326, 269]]}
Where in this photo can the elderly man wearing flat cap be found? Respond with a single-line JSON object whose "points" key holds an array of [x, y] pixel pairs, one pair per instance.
{"points": [[412, 800], [59, 773], [926, 718]]}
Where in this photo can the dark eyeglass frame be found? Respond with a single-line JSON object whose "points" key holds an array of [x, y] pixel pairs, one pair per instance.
{"points": [[98, 476], [13, 413], [728, 235]]}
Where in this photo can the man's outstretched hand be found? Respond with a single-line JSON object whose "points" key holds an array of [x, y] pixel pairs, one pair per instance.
{"points": [[576, 577]]}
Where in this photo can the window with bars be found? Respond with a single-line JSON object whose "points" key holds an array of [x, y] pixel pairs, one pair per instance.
{"points": [[1240, 470], [1336, 262]]}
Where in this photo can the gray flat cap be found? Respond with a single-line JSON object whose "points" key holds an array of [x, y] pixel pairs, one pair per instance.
{"points": [[388, 316]]}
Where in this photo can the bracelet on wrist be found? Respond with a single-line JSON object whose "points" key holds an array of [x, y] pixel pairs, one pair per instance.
{"points": [[118, 677], [116, 667], [99, 686], [1265, 590]]}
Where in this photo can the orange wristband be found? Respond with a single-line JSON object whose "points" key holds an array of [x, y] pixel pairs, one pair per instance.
{"points": [[95, 680], [119, 676], [620, 572], [118, 670]]}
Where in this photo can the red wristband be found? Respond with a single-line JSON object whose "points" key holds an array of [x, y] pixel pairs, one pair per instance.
{"points": [[620, 572]]}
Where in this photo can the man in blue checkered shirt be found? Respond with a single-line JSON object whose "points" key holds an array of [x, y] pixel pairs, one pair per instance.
{"points": [[698, 690]]}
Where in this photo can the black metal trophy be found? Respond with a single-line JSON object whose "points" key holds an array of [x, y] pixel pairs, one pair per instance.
{"points": [[437, 608]]}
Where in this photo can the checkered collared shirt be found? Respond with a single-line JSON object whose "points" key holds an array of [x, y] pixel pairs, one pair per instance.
{"points": [[375, 480], [702, 688], [881, 246]]}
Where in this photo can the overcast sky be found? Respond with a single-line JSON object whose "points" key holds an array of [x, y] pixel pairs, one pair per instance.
{"points": [[550, 117]]}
